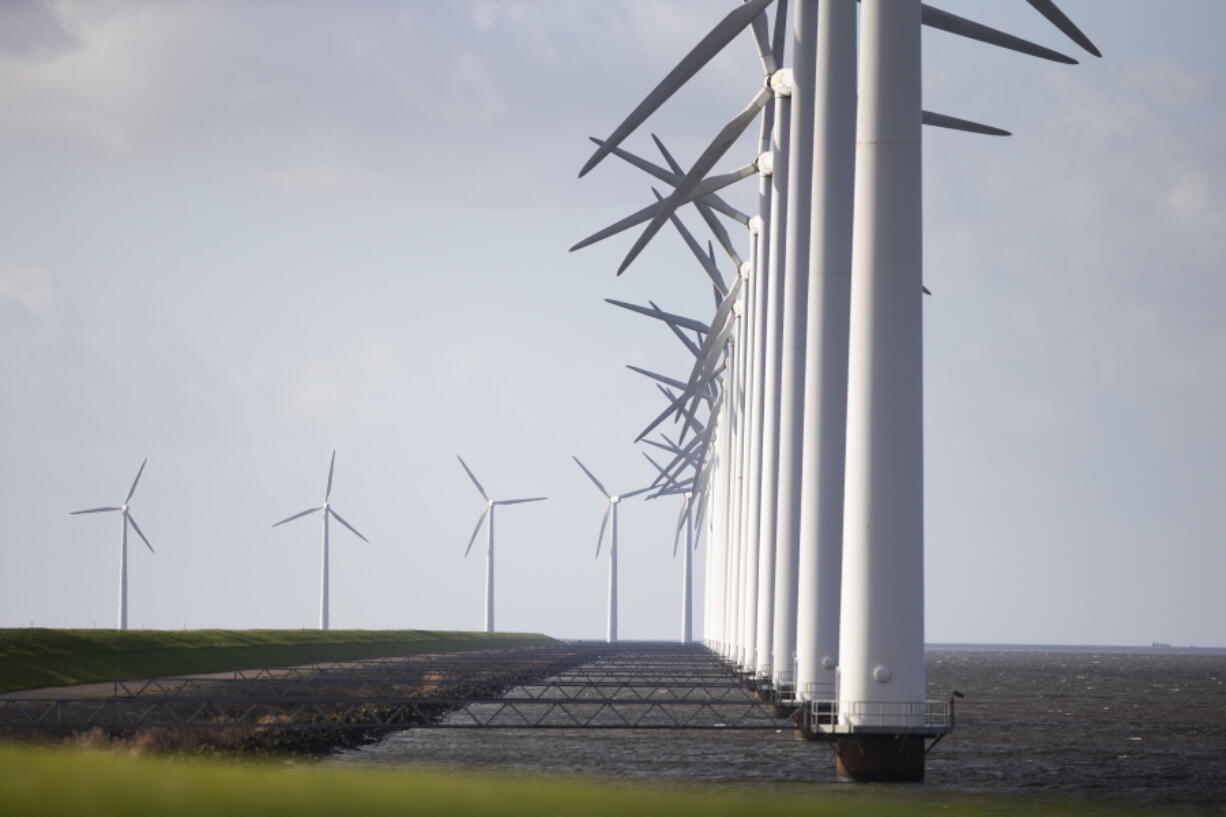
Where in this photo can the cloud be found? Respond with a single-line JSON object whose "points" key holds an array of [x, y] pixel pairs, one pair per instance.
{"points": [[1190, 200], [76, 377], [30, 29], [345, 386], [30, 288], [315, 177], [313, 97]]}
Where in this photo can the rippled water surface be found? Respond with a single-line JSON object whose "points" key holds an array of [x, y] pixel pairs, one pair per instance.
{"points": [[1138, 729]]}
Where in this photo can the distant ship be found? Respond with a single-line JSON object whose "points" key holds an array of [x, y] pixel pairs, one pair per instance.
{"points": [[1160, 644]]}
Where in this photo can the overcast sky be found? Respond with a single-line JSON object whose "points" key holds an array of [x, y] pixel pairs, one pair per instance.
{"points": [[238, 235]]}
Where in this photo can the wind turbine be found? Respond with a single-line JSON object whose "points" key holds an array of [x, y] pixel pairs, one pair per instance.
{"points": [[614, 500], [329, 513], [490, 505], [128, 519]]}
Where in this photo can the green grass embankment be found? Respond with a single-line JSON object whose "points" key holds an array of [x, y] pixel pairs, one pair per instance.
{"points": [[35, 781], [33, 658]]}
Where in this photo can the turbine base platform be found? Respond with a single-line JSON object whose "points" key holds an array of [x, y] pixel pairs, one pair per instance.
{"points": [[881, 758]]}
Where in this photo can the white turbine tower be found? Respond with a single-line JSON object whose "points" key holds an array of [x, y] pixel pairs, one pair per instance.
{"points": [[490, 505], [614, 500], [127, 519], [686, 520], [329, 513]]}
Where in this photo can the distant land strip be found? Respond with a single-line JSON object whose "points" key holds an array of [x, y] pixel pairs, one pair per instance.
{"points": [[31, 658]]}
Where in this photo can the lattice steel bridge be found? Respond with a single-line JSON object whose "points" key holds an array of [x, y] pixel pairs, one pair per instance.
{"points": [[571, 685]]}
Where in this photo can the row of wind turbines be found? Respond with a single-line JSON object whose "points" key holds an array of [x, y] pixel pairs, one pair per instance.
{"points": [[800, 433], [329, 513]]}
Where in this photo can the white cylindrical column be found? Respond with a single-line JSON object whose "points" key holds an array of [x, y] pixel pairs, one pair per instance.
{"points": [[881, 640], [687, 599], [725, 514], [611, 632], [751, 427], [489, 572], [323, 577], [764, 571], [739, 443], [123, 571], [727, 480], [796, 271], [825, 396]]}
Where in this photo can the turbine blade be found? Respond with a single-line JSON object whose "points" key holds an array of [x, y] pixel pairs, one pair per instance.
{"points": [[94, 510], [940, 120], [352, 529], [662, 476], [132, 520], [661, 417], [476, 530], [331, 468], [685, 339], [685, 506], [665, 474], [943, 20], [700, 55], [663, 174], [762, 42], [712, 183], [132, 490], [520, 501], [659, 314], [654, 464], [672, 449], [781, 30], [721, 234], [1057, 18], [713, 224], [472, 476], [673, 177], [668, 157], [600, 485], [635, 492], [708, 264], [689, 419], [297, 516], [603, 522], [616, 227], [706, 160], [676, 384], [714, 344]]}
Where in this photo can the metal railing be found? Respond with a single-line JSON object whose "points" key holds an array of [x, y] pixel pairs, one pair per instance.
{"points": [[818, 691], [930, 717]]}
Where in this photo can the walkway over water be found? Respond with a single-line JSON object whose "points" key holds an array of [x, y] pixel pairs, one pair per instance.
{"points": [[589, 685]]}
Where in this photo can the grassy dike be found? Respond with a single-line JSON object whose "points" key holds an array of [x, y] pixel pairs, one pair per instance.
{"points": [[37, 781], [33, 658]]}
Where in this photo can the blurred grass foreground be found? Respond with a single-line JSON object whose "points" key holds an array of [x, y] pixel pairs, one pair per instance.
{"points": [[36, 781]]}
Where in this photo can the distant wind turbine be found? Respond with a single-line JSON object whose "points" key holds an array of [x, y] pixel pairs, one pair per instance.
{"points": [[611, 510], [329, 512], [490, 505], [128, 519]]}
